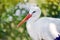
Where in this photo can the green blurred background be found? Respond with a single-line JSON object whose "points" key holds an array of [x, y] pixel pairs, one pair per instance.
{"points": [[9, 20]]}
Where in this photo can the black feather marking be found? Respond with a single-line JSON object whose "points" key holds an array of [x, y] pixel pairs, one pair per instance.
{"points": [[57, 38]]}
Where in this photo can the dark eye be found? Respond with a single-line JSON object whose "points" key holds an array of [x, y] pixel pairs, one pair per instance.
{"points": [[33, 11]]}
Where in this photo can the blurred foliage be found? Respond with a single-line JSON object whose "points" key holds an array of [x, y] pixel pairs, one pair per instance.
{"points": [[50, 8], [9, 20]]}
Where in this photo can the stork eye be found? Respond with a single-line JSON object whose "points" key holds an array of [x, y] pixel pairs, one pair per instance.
{"points": [[33, 11]]}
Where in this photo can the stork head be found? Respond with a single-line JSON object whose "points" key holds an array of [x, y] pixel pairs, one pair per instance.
{"points": [[34, 11]]}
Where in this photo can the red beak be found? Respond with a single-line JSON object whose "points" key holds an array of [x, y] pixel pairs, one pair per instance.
{"points": [[24, 20]]}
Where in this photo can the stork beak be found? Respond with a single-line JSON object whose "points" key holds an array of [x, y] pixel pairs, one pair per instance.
{"points": [[24, 20]]}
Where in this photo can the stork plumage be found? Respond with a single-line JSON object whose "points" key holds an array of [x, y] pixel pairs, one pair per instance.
{"points": [[41, 28]]}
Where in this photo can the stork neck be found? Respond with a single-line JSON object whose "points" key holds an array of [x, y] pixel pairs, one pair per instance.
{"points": [[33, 19]]}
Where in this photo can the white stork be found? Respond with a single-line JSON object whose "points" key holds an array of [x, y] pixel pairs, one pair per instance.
{"points": [[41, 28]]}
